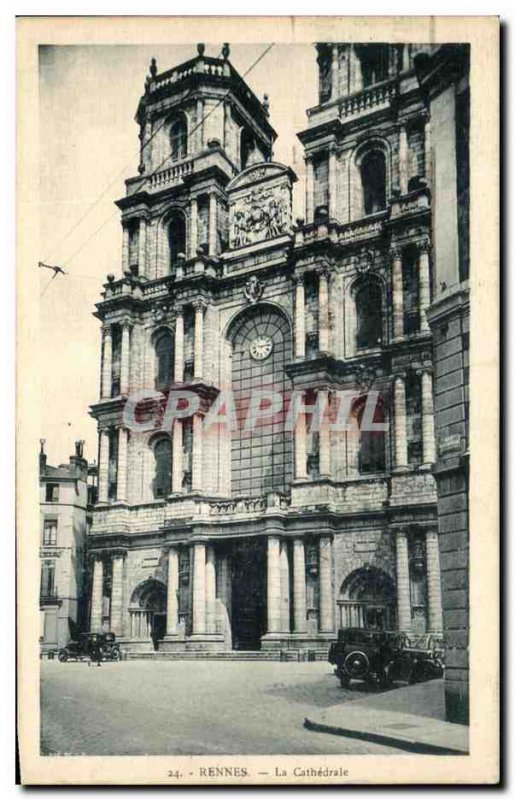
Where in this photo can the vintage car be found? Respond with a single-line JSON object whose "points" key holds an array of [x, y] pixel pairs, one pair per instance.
{"points": [[382, 657], [91, 646]]}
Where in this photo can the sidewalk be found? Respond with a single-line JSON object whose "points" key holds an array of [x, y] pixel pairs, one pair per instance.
{"points": [[411, 718]]}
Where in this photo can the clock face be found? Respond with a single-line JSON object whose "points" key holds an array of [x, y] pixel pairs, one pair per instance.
{"points": [[261, 347]]}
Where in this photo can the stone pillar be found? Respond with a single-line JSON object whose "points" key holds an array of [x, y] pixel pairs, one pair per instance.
{"points": [[403, 581], [97, 595], [142, 246], [172, 605], [107, 363], [177, 467], [116, 621], [401, 443], [428, 172], [125, 358], [403, 159], [212, 233], [299, 587], [199, 588], [300, 447], [333, 183], [193, 227], [125, 247], [323, 310], [284, 567], [210, 590], [424, 290], [326, 589], [428, 419], [334, 71], [179, 348], [397, 294], [300, 318], [121, 473], [200, 124], [196, 460], [198, 360], [103, 466], [273, 584], [310, 190], [434, 583], [324, 439]]}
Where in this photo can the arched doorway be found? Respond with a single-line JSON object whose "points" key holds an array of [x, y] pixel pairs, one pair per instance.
{"points": [[367, 600], [148, 611]]}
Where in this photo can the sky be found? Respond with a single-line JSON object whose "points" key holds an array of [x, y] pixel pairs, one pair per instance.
{"points": [[88, 147]]}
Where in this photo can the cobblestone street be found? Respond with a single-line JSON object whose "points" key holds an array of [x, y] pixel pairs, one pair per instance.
{"points": [[190, 708]]}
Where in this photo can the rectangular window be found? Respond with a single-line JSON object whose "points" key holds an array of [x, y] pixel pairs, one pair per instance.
{"points": [[50, 532], [321, 181], [48, 579], [52, 493], [113, 465], [116, 363], [463, 179], [133, 226]]}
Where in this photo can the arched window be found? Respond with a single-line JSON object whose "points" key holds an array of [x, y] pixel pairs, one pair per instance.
{"points": [[372, 449], [178, 138], [368, 315], [176, 239], [162, 484], [374, 63], [164, 360], [373, 182]]}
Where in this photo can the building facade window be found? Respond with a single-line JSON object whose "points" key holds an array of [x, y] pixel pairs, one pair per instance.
{"points": [[463, 179], [373, 182], [47, 587], [52, 493], [162, 484], [374, 63], [178, 138], [372, 443], [414, 419], [116, 333], [410, 293], [50, 532], [321, 185], [164, 360], [176, 239], [112, 475], [133, 227], [369, 318]]}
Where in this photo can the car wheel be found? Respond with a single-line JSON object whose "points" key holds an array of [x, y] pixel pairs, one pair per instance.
{"points": [[116, 654], [62, 655]]}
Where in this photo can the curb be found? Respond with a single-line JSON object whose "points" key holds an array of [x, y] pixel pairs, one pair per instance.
{"points": [[410, 745]]}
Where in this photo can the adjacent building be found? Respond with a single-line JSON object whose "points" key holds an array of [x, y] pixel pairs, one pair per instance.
{"points": [[219, 537]]}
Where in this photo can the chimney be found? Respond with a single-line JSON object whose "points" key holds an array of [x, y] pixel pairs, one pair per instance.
{"points": [[42, 457], [78, 460]]}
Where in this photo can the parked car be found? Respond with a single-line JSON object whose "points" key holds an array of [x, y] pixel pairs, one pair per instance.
{"points": [[382, 657], [93, 646]]}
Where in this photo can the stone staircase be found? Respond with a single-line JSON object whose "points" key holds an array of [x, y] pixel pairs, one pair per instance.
{"points": [[232, 655]]}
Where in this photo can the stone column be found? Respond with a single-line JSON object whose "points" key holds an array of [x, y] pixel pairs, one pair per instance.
{"points": [[403, 159], [299, 587], [172, 605], [200, 123], [300, 318], [434, 583], [212, 234], [196, 465], [403, 581], [142, 246], [273, 583], [310, 182], [428, 419], [193, 227], [116, 622], [326, 590], [125, 358], [177, 467], [103, 466], [333, 183], [199, 588], [397, 294], [401, 443], [210, 590], [324, 439], [179, 348], [284, 567], [334, 72], [198, 360], [323, 310], [121, 473], [424, 290], [107, 363], [428, 172], [300, 447], [97, 595], [125, 246]]}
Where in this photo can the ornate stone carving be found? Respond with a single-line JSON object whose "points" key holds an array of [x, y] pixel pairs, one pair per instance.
{"points": [[365, 377], [253, 289], [365, 262], [260, 204]]}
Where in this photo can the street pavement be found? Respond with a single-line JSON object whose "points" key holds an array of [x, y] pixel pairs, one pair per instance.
{"points": [[191, 708]]}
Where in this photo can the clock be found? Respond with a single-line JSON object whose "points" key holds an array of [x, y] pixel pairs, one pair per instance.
{"points": [[261, 347]]}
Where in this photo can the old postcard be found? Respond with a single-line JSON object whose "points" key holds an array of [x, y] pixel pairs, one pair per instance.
{"points": [[258, 358]]}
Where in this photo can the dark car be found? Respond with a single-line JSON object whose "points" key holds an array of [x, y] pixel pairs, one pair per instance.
{"points": [[381, 657], [92, 646]]}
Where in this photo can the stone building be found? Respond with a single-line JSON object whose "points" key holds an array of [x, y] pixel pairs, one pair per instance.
{"points": [[221, 536], [443, 72], [64, 501]]}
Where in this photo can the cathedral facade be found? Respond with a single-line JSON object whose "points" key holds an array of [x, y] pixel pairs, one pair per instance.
{"points": [[212, 533]]}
